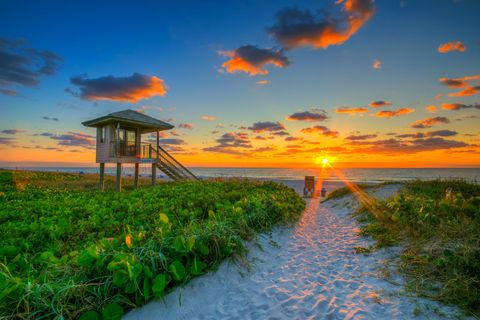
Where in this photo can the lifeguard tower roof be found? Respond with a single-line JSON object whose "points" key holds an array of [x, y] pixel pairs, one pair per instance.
{"points": [[134, 118]]}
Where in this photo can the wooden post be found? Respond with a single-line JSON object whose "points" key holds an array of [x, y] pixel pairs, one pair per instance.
{"points": [[136, 174], [154, 174], [102, 174], [158, 143], [119, 177]]}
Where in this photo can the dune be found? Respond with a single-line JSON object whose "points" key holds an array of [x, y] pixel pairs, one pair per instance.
{"points": [[309, 271]]}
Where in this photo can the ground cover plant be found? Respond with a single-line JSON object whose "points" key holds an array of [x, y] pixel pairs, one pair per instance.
{"points": [[84, 254], [438, 224]]}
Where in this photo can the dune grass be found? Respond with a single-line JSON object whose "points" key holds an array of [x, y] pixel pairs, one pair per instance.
{"points": [[69, 252], [438, 224]]}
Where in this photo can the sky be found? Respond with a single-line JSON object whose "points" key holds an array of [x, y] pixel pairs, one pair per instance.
{"points": [[385, 83]]}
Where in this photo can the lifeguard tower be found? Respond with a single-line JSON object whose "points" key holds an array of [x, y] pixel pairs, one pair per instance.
{"points": [[119, 140]]}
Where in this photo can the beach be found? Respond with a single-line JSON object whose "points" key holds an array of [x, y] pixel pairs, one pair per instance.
{"points": [[308, 271]]}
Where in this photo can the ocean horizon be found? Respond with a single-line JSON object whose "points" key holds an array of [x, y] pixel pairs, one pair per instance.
{"points": [[371, 175]]}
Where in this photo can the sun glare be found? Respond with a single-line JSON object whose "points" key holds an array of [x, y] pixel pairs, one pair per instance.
{"points": [[323, 160]]}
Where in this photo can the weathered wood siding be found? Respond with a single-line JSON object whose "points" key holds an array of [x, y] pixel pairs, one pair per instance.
{"points": [[103, 148]]}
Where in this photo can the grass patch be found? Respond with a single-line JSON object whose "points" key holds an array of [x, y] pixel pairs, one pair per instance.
{"points": [[70, 253], [439, 224]]}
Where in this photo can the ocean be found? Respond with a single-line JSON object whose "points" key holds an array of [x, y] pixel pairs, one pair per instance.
{"points": [[371, 175]]}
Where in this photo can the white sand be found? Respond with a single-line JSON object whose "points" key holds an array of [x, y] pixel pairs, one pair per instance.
{"points": [[306, 272]]}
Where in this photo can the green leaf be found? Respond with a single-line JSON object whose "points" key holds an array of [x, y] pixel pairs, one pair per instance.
{"points": [[190, 243], [164, 218], [120, 278], [112, 311], [147, 287], [178, 270], [202, 248], [135, 270], [197, 267], [87, 258], [90, 315], [178, 244], [159, 284], [147, 272]]}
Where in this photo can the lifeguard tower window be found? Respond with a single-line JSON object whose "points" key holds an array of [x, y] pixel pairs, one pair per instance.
{"points": [[127, 139]]}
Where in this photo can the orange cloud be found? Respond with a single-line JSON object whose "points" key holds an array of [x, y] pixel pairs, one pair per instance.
{"points": [[295, 28], [351, 110], [122, 89], [452, 46], [431, 108], [252, 60], [429, 122], [209, 118], [322, 130], [462, 83], [458, 106], [394, 113], [377, 64], [379, 103], [263, 82]]}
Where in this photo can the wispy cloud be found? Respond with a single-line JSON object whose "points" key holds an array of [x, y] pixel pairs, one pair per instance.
{"points": [[186, 126], [6, 141], [361, 137], [12, 131], [351, 110], [438, 133], [75, 139], [296, 28], [429, 122], [263, 82], [230, 142], [397, 146], [122, 89], [209, 118], [50, 118], [252, 60], [464, 83], [377, 64], [452, 46], [431, 108]]}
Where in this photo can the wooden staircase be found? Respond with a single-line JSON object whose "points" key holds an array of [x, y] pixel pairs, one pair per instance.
{"points": [[170, 166]]}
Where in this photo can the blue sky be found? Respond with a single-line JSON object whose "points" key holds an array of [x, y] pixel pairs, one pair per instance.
{"points": [[179, 43]]}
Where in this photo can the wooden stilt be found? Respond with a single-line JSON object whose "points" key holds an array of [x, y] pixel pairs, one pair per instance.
{"points": [[119, 177], [154, 174], [136, 175], [102, 175]]}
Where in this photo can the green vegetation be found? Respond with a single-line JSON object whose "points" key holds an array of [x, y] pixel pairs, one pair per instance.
{"points": [[343, 191], [439, 224], [83, 254]]}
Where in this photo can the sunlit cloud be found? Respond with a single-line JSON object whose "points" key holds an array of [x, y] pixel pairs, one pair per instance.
{"points": [[318, 115], [351, 110], [321, 130], [263, 82], [296, 28], [230, 142], [172, 141], [209, 118], [464, 83], [452, 46], [459, 106], [6, 140], [429, 122], [122, 89], [380, 103], [393, 113], [431, 108], [377, 64], [252, 60]]}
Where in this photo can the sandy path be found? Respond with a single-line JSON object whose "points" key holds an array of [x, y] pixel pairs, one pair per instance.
{"points": [[305, 272]]}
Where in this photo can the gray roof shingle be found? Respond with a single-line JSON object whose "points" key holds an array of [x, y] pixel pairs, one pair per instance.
{"points": [[146, 123]]}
